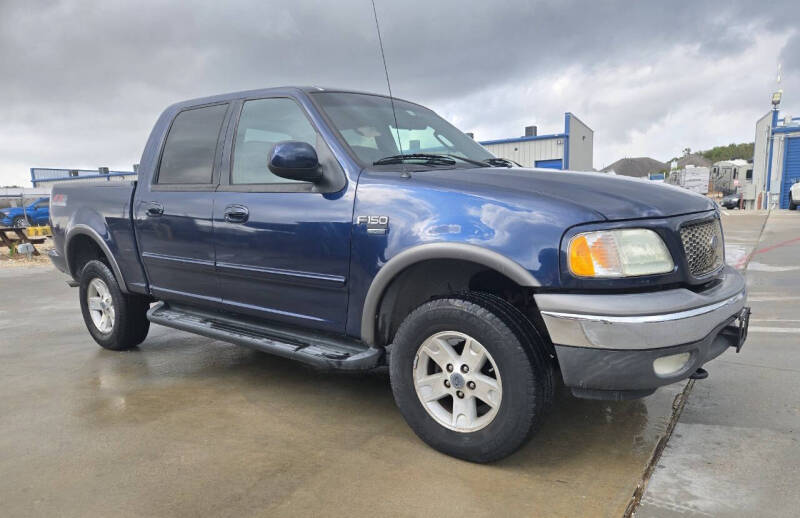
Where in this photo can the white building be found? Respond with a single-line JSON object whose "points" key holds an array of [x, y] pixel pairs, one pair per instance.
{"points": [[572, 149], [19, 196]]}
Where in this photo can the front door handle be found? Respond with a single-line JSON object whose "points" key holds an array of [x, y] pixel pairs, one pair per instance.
{"points": [[236, 214], [155, 209]]}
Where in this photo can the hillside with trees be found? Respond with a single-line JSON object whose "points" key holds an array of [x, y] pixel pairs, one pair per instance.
{"points": [[730, 152]]}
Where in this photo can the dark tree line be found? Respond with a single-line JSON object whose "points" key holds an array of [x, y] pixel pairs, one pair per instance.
{"points": [[730, 152]]}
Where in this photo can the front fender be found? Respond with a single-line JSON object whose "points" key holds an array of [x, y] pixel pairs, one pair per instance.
{"points": [[513, 232], [11, 214], [417, 254]]}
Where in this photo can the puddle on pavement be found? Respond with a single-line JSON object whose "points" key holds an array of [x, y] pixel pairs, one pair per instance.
{"points": [[735, 255]]}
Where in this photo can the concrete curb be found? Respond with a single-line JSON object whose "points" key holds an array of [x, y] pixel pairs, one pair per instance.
{"points": [[677, 408]]}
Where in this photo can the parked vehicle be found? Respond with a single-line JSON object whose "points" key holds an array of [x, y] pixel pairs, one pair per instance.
{"points": [[794, 195], [731, 201], [291, 221], [36, 213]]}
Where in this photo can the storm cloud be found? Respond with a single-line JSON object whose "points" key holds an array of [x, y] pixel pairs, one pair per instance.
{"points": [[83, 82]]}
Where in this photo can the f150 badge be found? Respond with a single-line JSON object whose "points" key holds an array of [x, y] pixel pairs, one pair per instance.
{"points": [[375, 224]]}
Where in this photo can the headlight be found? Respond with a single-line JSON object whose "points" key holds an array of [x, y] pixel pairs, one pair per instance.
{"points": [[618, 253]]}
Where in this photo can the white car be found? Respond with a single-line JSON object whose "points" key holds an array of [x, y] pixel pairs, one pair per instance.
{"points": [[794, 195]]}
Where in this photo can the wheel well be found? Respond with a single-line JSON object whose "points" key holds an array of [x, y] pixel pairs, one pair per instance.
{"points": [[436, 278], [82, 249]]}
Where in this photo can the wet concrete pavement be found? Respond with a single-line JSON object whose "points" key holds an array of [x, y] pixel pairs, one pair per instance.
{"points": [[187, 426], [735, 450]]}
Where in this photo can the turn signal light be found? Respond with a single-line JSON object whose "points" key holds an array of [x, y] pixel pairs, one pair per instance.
{"points": [[618, 253]]}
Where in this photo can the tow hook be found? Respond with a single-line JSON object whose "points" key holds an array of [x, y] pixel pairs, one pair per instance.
{"points": [[699, 374]]}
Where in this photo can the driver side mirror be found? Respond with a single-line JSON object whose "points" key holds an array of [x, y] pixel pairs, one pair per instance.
{"points": [[295, 160]]}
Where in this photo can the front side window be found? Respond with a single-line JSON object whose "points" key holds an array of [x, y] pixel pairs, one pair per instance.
{"points": [[262, 124], [367, 124], [191, 145]]}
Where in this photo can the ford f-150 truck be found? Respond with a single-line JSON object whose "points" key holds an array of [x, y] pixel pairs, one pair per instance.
{"points": [[352, 231]]}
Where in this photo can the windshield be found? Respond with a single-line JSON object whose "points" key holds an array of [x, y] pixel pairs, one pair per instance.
{"points": [[367, 124]]}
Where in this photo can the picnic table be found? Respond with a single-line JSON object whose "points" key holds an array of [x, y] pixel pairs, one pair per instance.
{"points": [[20, 238]]}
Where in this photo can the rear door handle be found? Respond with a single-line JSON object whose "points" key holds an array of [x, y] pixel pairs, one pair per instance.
{"points": [[236, 214], [155, 209]]}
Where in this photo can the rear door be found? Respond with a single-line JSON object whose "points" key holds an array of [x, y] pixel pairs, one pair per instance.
{"points": [[173, 215], [282, 247]]}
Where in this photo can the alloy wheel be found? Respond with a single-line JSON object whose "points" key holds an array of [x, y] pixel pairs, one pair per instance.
{"points": [[457, 381]]}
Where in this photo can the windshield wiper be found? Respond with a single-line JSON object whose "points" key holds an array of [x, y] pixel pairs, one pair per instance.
{"points": [[426, 158], [469, 160], [501, 162]]}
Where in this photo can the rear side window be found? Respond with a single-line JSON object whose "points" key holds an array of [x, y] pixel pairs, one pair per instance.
{"points": [[188, 156]]}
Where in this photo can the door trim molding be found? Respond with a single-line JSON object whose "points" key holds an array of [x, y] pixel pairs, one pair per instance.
{"points": [[277, 274]]}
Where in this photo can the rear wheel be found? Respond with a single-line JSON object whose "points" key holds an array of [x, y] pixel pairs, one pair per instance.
{"points": [[466, 380], [116, 320], [20, 222], [792, 203]]}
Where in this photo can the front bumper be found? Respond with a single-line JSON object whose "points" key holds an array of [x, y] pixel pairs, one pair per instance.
{"points": [[606, 345]]}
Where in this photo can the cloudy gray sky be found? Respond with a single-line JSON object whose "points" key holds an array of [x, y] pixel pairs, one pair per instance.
{"points": [[82, 82]]}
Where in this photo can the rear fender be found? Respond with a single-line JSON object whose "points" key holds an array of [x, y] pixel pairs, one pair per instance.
{"points": [[105, 244]]}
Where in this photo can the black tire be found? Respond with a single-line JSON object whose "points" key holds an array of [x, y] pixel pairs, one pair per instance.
{"points": [[20, 222], [532, 340], [130, 324], [527, 376], [792, 204]]}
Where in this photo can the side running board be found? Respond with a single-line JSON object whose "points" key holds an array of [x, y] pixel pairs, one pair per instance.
{"points": [[320, 351]]}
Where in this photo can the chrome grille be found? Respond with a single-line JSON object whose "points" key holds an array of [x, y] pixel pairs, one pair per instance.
{"points": [[702, 244]]}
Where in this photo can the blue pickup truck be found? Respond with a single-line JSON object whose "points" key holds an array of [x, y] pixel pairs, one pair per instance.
{"points": [[36, 213], [352, 231]]}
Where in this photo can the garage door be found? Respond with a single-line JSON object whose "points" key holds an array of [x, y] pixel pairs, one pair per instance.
{"points": [[549, 164], [791, 169]]}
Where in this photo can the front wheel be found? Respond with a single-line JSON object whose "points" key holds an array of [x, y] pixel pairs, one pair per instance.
{"points": [[792, 203], [468, 378], [116, 320]]}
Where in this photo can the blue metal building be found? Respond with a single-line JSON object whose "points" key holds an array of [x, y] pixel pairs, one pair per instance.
{"points": [[572, 149], [776, 161]]}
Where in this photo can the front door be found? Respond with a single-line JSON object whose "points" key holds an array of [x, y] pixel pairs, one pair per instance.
{"points": [[40, 212], [282, 247], [173, 215]]}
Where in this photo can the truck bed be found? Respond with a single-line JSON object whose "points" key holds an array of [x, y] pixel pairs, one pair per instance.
{"points": [[100, 209]]}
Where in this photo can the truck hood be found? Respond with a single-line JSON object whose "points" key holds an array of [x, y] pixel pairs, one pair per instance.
{"points": [[611, 197]]}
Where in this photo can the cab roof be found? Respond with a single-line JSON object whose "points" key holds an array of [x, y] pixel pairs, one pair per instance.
{"points": [[266, 92]]}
